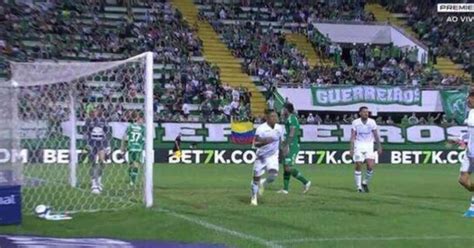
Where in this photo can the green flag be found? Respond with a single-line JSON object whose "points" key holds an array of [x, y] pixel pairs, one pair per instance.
{"points": [[454, 104]]}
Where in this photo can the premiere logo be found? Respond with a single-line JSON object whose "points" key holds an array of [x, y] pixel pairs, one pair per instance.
{"points": [[460, 8], [456, 7]]}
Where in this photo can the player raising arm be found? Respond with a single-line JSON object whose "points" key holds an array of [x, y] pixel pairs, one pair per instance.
{"points": [[364, 132], [291, 147], [135, 137], [267, 142]]}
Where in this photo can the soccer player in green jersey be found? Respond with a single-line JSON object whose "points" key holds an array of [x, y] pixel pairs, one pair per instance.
{"points": [[291, 147], [135, 137]]}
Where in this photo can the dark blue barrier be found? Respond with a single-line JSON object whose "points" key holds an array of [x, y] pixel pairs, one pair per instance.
{"points": [[10, 205]]}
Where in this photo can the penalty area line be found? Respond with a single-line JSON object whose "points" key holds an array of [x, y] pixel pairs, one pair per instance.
{"points": [[220, 229], [306, 240]]}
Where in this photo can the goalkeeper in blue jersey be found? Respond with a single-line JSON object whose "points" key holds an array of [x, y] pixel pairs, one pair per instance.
{"points": [[97, 135], [135, 137]]}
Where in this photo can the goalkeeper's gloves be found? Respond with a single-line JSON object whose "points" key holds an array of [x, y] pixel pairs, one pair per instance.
{"points": [[177, 153]]}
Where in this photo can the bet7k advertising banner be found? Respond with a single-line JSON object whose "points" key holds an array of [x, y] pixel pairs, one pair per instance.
{"points": [[209, 143], [244, 156], [306, 157]]}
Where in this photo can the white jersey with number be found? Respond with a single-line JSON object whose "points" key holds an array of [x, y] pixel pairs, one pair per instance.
{"points": [[364, 139], [267, 155]]}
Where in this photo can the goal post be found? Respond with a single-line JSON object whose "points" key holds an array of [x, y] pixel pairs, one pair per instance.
{"points": [[149, 130], [53, 101]]}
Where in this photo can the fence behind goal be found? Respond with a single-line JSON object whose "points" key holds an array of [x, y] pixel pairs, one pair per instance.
{"points": [[51, 102]]}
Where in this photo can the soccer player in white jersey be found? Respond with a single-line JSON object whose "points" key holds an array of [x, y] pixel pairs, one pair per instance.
{"points": [[467, 164], [364, 133], [267, 141]]}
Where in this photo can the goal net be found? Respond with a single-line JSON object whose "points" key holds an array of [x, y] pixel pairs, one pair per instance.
{"points": [[51, 151]]}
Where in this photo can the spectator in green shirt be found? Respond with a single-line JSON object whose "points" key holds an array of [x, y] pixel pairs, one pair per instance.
{"points": [[377, 53], [89, 108], [404, 121]]}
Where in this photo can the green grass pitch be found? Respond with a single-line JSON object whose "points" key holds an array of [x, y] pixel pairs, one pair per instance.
{"points": [[409, 206]]}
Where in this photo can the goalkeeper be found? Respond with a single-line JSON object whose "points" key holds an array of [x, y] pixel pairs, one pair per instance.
{"points": [[135, 137], [97, 133]]}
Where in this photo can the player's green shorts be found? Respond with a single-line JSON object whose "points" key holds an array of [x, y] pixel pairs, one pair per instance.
{"points": [[134, 157], [290, 158]]}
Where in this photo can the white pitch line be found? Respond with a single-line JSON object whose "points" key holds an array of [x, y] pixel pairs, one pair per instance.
{"points": [[306, 240], [222, 229]]}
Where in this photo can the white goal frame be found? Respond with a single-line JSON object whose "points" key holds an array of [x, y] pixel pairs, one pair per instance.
{"points": [[20, 79]]}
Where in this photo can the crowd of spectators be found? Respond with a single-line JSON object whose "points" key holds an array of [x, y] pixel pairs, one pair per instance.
{"points": [[265, 54], [58, 30], [382, 65], [277, 63], [66, 30], [404, 120], [79, 29], [287, 11], [444, 38]]}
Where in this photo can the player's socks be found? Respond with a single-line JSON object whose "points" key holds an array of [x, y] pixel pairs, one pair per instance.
{"points": [[296, 174], [254, 189], [100, 169], [286, 180], [94, 183], [92, 170], [133, 173], [99, 182], [368, 176], [471, 208], [358, 179]]}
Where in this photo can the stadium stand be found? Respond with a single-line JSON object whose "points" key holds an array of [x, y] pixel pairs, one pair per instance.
{"points": [[214, 58], [450, 43], [74, 30], [260, 41]]}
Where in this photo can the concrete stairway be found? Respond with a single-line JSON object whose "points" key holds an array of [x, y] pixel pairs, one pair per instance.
{"points": [[304, 46], [216, 52]]}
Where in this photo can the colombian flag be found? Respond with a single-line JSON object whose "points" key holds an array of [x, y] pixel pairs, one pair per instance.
{"points": [[242, 132]]}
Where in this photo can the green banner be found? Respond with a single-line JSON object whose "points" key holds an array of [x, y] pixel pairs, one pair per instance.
{"points": [[454, 104], [216, 136], [345, 95]]}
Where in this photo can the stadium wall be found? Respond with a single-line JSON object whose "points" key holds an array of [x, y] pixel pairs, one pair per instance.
{"points": [[209, 143]]}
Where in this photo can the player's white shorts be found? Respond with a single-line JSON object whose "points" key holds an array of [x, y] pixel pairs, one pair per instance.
{"points": [[265, 164], [467, 164], [363, 152]]}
